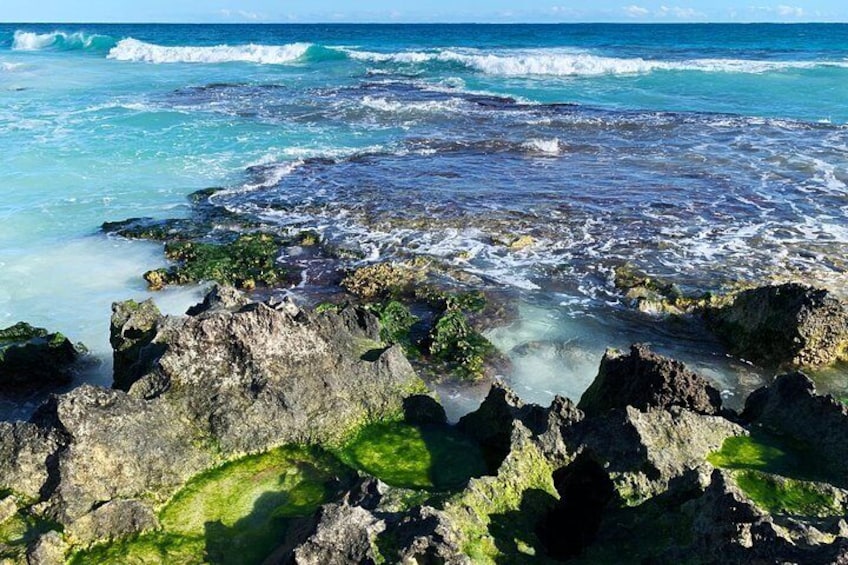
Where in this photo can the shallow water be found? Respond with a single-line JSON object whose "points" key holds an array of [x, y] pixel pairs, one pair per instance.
{"points": [[704, 154]]}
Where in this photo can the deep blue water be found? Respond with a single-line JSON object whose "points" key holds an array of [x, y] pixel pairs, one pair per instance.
{"points": [[708, 154]]}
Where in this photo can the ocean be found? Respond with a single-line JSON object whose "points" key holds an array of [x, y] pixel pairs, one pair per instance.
{"points": [[708, 155]]}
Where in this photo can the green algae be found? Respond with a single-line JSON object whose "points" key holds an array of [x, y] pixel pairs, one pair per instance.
{"points": [[237, 513], [497, 515], [20, 530], [777, 474], [455, 342], [246, 262], [419, 457], [783, 495]]}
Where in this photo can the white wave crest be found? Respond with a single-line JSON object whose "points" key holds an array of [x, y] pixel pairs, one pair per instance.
{"points": [[31, 41], [10, 67], [544, 146], [134, 50], [383, 104], [556, 62]]}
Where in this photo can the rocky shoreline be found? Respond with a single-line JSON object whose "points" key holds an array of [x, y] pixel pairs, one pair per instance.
{"points": [[256, 430], [647, 467]]}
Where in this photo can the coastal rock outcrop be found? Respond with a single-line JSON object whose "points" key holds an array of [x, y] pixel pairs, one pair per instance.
{"points": [[33, 358], [783, 324], [643, 379], [791, 407], [236, 377]]}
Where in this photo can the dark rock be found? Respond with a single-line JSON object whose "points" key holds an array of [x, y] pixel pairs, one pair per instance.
{"points": [[421, 409], [132, 329], [220, 298], [645, 380], [791, 407], [33, 358], [789, 323]]}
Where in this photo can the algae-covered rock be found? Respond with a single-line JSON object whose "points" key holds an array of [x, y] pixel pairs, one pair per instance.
{"points": [[790, 406], [33, 358], [789, 323], [386, 280], [454, 342], [247, 262], [643, 379]]}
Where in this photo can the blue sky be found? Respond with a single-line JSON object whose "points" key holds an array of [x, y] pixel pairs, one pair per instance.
{"points": [[431, 11]]}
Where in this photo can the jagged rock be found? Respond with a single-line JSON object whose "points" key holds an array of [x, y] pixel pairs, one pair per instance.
{"points": [[427, 535], [33, 358], [643, 379], [260, 377], [647, 452], [27, 452], [344, 535], [220, 298], [789, 323], [132, 329], [791, 407], [121, 447], [48, 549], [115, 519], [232, 380]]}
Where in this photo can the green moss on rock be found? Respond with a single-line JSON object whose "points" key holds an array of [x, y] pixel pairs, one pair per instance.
{"points": [[32, 357], [783, 495], [420, 457], [455, 342], [250, 260], [236, 513]]}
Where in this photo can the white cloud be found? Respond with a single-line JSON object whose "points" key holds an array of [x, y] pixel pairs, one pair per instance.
{"points": [[679, 13], [240, 15], [635, 11], [790, 11]]}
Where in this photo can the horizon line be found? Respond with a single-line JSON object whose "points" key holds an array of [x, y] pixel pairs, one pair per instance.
{"points": [[325, 22]]}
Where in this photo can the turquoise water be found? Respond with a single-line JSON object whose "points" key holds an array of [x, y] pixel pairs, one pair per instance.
{"points": [[703, 153]]}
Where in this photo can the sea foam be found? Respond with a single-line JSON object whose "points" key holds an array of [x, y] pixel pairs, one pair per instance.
{"points": [[556, 62], [134, 50]]}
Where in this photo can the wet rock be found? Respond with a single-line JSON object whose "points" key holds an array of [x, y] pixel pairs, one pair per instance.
{"points": [[789, 323], [132, 329], [386, 280], [33, 358], [791, 407], [113, 520], [643, 379], [650, 294], [250, 260], [343, 535]]}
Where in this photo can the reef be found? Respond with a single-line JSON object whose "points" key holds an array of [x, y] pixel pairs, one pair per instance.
{"points": [[33, 359]]}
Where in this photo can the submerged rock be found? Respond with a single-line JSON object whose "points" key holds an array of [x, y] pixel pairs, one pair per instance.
{"points": [[783, 324], [643, 379], [33, 358]]}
